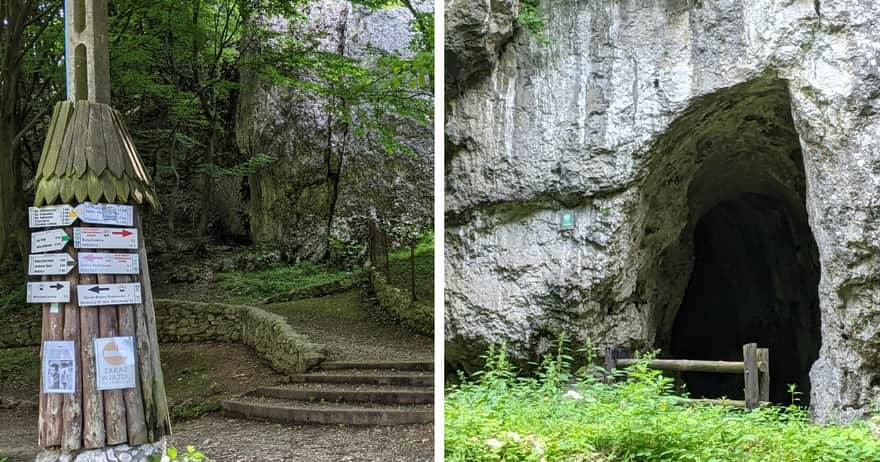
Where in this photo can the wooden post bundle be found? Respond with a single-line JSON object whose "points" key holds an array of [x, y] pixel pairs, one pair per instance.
{"points": [[90, 418], [89, 157]]}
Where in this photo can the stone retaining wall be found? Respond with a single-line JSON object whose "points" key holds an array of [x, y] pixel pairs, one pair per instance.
{"points": [[269, 334], [21, 329], [416, 316]]}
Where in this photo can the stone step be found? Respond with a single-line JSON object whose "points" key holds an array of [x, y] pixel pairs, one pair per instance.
{"points": [[382, 365], [298, 412], [348, 394], [367, 377]]}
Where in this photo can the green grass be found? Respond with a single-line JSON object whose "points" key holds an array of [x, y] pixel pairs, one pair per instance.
{"points": [[12, 289], [342, 306], [499, 414], [19, 370], [282, 279], [399, 263]]}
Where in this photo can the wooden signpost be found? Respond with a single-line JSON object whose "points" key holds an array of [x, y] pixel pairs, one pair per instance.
{"points": [[102, 382]]}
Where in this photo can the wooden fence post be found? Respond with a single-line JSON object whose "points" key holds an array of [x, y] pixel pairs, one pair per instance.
{"points": [[750, 371], [611, 356], [764, 374]]}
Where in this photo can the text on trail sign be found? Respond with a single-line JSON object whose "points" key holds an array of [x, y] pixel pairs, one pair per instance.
{"points": [[49, 241], [54, 215], [108, 263], [105, 214], [50, 264], [108, 294], [66, 215], [48, 292], [105, 238]]}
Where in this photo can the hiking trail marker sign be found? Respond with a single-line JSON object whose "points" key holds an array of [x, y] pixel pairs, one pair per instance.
{"points": [[105, 238], [108, 263], [48, 292], [105, 214], [95, 214], [49, 241], [108, 294], [50, 264], [53, 215]]}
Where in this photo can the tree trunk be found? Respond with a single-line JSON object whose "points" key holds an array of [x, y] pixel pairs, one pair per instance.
{"points": [[208, 179]]}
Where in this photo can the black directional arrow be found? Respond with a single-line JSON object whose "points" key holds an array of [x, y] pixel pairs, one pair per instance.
{"points": [[57, 286], [98, 289]]}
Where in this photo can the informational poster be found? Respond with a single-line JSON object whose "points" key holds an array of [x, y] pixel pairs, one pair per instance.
{"points": [[114, 358], [59, 367]]}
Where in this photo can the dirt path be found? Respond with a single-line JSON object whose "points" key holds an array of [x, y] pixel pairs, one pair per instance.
{"points": [[232, 440], [18, 435], [346, 324]]}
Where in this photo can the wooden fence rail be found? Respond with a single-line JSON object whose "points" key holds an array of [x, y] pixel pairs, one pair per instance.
{"points": [[755, 368]]}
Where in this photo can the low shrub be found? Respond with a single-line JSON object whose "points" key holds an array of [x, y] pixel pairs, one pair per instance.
{"points": [[173, 455], [277, 280], [501, 414]]}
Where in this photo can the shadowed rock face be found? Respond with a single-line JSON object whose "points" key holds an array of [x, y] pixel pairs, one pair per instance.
{"points": [[654, 122]]}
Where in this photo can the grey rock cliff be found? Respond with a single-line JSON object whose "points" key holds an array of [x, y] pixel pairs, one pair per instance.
{"points": [[329, 180], [642, 117]]}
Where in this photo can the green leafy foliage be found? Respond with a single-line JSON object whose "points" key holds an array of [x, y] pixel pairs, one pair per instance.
{"points": [[346, 254], [555, 415], [280, 279], [173, 455], [19, 370], [13, 293], [400, 265], [248, 167], [531, 18]]}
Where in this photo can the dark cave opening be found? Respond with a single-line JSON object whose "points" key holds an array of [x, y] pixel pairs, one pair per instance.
{"points": [[755, 279]]}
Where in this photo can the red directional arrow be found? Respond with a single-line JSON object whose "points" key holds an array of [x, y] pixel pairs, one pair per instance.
{"points": [[92, 257], [123, 233]]}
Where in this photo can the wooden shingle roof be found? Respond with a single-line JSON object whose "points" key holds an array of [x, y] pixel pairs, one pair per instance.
{"points": [[89, 156]]}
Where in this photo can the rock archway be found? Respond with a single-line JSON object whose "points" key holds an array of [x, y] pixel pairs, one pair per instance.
{"points": [[729, 255]]}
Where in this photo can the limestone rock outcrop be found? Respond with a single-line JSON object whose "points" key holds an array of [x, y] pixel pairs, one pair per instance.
{"points": [[641, 119], [328, 180]]}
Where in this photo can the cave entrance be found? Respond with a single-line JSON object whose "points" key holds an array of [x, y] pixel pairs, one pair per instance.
{"points": [[754, 279], [729, 256]]}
